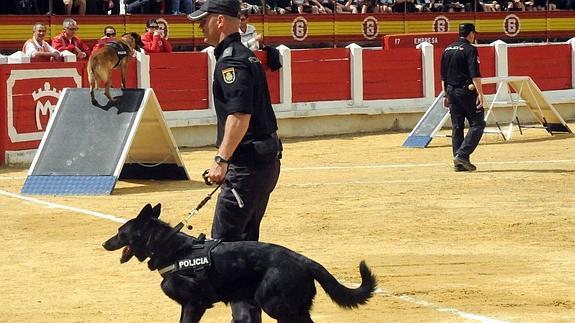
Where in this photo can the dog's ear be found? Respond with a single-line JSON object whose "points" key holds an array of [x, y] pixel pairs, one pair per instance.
{"points": [[145, 213], [137, 40], [156, 210]]}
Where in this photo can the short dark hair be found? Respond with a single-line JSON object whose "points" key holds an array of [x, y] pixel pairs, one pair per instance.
{"points": [[465, 29], [109, 27]]}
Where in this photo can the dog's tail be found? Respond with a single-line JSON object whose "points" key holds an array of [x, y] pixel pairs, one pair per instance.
{"points": [[344, 296]]}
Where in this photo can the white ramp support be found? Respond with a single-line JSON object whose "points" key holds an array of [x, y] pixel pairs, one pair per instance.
{"points": [[521, 91]]}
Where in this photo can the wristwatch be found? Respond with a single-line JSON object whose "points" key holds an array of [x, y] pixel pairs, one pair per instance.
{"points": [[219, 159]]}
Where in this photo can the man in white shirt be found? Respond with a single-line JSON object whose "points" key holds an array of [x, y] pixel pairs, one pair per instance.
{"points": [[37, 47], [250, 38]]}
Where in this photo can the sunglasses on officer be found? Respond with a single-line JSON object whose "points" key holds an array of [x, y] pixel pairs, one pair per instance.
{"points": [[110, 34]]}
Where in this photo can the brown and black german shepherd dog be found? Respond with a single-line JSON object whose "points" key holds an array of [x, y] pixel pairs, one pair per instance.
{"points": [[198, 273], [104, 60]]}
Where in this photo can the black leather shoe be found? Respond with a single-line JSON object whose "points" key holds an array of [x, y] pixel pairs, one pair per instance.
{"points": [[458, 161], [459, 168]]}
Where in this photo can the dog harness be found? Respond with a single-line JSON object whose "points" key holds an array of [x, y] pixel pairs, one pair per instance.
{"points": [[121, 50], [198, 261]]}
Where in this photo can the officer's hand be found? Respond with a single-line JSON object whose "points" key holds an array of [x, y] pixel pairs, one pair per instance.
{"points": [[479, 102], [446, 102], [217, 173]]}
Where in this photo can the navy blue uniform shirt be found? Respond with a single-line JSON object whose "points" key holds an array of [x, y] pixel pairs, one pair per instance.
{"points": [[240, 85], [459, 63]]}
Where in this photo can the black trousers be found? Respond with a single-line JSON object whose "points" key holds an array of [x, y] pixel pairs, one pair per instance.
{"points": [[254, 182], [462, 105]]}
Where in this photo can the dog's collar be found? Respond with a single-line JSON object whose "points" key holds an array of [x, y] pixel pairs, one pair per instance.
{"points": [[199, 259]]}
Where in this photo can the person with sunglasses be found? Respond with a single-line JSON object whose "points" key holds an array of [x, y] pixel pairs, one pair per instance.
{"points": [[109, 36], [67, 40], [154, 39]]}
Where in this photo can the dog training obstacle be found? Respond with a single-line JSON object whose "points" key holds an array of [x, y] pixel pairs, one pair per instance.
{"points": [[87, 148], [514, 91]]}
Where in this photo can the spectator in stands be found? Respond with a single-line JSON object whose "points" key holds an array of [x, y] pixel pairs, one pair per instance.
{"points": [[279, 7], [80, 4], [144, 6], [24, 7], [153, 39], [386, 5], [436, 5], [67, 40], [37, 47], [181, 7], [101, 7], [324, 6], [163, 27], [109, 36], [404, 6], [345, 6], [368, 6], [250, 38], [556, 4], [492, 6], [113, 6], [252, 6], [539, 4], [302, 6], [515, 5]]}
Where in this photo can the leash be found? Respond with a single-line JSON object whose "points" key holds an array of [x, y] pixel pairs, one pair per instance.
{"points": [[203, 202]]}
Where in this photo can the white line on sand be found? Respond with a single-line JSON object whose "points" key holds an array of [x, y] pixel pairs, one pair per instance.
{"points": [[405, 298], [427, 165], [11, 177], [64, 207]]}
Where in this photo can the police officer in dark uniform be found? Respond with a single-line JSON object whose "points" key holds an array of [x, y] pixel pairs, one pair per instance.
{"points": [[461, 83], [249, 149]]}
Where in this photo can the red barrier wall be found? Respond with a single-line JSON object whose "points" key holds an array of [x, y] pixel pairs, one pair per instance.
{"points": [[273, 77], [392, 74], [29, 94], [321, 75], [180, 80], [548, 65]]}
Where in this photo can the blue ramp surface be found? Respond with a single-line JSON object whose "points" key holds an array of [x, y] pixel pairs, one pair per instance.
{"points": [[428, 125], [83, 146]]}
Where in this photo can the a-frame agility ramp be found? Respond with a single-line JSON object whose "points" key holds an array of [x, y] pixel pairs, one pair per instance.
{"points": [[87, 147], [514, 91]]}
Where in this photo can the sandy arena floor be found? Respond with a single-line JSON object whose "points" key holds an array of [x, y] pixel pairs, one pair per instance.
{"points": [[494, 245]]}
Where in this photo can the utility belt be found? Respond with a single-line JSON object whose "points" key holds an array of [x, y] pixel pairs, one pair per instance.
{"points": [[470, 86], [260, 150]]}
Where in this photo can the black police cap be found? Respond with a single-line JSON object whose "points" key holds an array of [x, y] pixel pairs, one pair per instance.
{"points": [[225, 7], [465, 29]]}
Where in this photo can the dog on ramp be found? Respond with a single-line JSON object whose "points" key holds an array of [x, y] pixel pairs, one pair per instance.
{"points": [[115, 54], [198, 273]]}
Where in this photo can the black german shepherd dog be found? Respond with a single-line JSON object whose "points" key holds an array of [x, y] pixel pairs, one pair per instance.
{"points": [[198, 272]]}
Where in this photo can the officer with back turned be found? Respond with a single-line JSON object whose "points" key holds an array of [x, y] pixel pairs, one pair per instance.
{"points": [[247, 161], [461, 83]]}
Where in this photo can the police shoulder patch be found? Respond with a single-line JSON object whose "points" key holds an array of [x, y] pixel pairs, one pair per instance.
{"points": [[229, 75]]}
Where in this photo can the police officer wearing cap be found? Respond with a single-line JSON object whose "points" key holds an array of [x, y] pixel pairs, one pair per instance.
{"points": [[249, 149], [461, 84]]}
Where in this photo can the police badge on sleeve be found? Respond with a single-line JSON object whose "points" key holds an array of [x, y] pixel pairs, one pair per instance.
{"points": [[229, 75]]}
